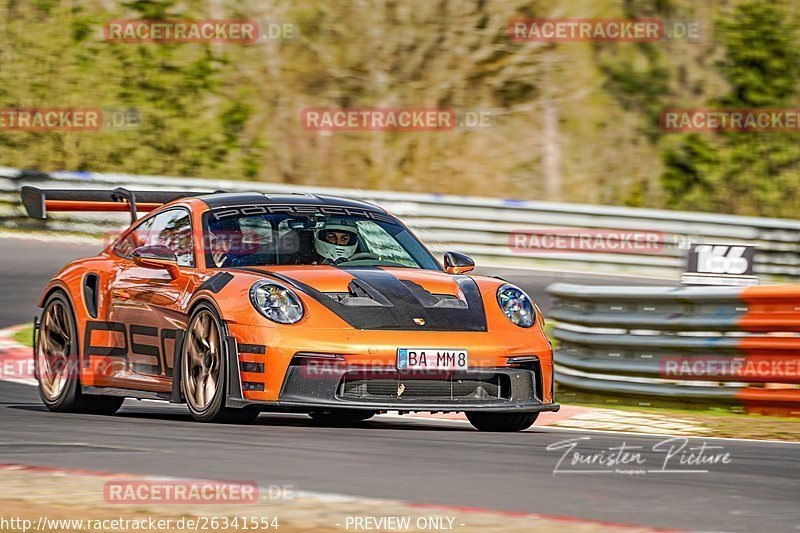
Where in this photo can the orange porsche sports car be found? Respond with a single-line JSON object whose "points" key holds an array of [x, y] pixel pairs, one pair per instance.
{"points": [[237, 303]]}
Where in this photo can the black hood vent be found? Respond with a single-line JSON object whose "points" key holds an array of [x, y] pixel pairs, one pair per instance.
{"points": [[377, 300]]}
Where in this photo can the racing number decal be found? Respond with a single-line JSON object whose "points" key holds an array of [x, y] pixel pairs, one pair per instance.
{"points": [[107, 351], [167, 334], [129, 343], [145, 349]]}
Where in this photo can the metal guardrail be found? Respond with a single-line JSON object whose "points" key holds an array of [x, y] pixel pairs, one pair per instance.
{"points": [[738, 345], [477, 226]]}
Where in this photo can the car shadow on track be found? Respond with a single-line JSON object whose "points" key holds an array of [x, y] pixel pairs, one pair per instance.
{"points": [[179, 414], [296, 420], [273, 419], [24, 406]]}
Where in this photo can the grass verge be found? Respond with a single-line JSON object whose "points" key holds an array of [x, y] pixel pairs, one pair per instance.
{"points": [[722, 421], [25, 335]]}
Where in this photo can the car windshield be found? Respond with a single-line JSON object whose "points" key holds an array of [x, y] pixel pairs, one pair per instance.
{"points": [[235, 238]]}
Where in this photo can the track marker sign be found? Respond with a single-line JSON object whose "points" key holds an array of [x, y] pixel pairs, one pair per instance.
{"points": [[720, 264]]}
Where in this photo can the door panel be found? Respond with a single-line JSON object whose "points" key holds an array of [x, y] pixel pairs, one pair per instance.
{"points": [[150, 303]]}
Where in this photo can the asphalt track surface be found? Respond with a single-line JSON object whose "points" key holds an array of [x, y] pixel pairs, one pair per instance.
{"points": [[422, 461]]}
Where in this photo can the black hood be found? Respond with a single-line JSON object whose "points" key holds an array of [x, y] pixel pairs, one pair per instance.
{"points": [[377, 300]]}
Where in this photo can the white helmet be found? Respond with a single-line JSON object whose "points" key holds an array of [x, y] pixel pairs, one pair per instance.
{"points": [[338, 239]]}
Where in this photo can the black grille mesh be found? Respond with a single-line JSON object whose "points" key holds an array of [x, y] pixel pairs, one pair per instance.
{"points": [[495, 386]]}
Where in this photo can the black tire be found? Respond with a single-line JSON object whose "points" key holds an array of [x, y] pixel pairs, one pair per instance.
{"points": [[340, 417], [70, 398], [505, 422], [215, 410]]}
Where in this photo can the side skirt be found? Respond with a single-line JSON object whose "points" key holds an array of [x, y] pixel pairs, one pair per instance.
{"points": [[127, 393]]}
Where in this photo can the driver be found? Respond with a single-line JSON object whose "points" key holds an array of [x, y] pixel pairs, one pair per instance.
{"points": [[223, 235], [337, 242]]}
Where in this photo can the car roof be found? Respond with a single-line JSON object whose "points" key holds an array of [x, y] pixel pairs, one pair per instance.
{"points": [[238, 199]]}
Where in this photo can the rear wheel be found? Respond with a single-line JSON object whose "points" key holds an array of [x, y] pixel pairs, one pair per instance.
{"points": [[334, 417], [501, 421], [204, 371], [57, 363]]}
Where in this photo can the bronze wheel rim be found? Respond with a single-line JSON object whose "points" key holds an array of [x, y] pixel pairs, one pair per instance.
{"points": [[55, 344], [201, 366]]}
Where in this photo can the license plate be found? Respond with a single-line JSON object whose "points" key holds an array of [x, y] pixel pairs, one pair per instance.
{"points": [[431, 359]]}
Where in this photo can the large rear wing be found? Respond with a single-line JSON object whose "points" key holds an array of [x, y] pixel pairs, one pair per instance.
{"points": [[38, 202]]}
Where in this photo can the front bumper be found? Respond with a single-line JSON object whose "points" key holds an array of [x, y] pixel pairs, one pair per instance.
{"points": [[309, 388]]}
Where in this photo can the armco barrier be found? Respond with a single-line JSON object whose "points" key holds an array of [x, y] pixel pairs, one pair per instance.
{"points": [[482, 227], [711, 344]]}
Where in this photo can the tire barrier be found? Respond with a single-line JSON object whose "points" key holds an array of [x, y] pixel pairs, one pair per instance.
{"points": [[711, 344]]}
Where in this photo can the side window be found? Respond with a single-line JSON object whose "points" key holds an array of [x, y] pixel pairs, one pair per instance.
{"points": [[173, 229], [136, 238]]}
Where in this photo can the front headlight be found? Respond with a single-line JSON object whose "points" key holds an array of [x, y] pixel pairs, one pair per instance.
{"points": [[276, 302], [516, 305]]}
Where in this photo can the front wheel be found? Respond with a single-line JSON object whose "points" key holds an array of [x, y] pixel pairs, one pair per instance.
{"points": [[204, 371], [505, 422]]}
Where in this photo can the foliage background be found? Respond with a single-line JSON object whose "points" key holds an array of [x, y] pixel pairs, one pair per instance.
{"points": [[570, 122]]}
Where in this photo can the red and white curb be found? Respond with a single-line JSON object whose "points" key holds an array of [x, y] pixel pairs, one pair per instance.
{"points": [[16, 360], [295, 509]]}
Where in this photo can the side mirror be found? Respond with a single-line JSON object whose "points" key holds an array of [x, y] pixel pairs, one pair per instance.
{"points": [[157, 256], [457, 263]]}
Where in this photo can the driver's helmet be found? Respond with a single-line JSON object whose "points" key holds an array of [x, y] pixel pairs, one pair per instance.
{"points": [[337, 240]]}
